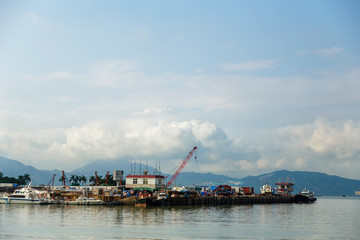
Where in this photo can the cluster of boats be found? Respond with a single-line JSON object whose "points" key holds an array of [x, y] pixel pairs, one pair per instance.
{"points": [[160, 200], [28, 195], [305, 196]]}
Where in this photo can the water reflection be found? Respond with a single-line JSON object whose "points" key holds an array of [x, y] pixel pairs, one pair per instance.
{"points": [[328, 218]]}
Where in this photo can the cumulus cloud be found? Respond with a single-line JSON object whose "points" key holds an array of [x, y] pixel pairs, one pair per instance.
{"points": [[112, 140], [341, 139], [300, 147]]}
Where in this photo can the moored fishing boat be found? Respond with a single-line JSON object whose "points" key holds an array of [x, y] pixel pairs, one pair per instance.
{"points": [[82, 200], [25, 195], [305, 196], [144, 202], [161, 200]]}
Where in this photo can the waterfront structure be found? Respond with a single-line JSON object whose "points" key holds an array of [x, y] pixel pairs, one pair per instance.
{"points": [[118, 177], [145, 181], [285, 187]]}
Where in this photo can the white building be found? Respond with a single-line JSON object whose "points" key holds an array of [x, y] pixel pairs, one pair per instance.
{"points": [[145, 181]]}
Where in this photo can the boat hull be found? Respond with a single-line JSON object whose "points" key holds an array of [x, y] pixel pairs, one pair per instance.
{"points": [[147, 202], [83, 203], [19, 201], [304, 199]]}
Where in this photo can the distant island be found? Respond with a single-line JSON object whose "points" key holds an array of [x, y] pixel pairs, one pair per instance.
{"points": [[320, 183]]}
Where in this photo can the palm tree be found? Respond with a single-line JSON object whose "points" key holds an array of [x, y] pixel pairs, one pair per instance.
{"points": [[23, 179], [92, 180], [27, 178], [74, 180], [62, 179], [100, 180], [83, 179]]}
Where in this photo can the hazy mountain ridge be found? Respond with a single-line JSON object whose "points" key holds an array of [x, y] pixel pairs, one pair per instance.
{"points": [[321, 183]]}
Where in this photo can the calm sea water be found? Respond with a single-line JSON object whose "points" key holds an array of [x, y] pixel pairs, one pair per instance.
{"points": [[328, 218]]}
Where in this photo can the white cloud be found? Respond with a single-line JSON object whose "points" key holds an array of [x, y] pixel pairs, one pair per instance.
{"points": [[149, 111], [323, 52], [245, 165], [312, 146], [162, 127], [110, 139], [300, 163], [341, 139], [117, 74], [249, 66], [328, 52], [263, 163]]}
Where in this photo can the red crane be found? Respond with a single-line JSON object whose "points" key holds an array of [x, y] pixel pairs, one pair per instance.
{"points": [[107, 175], [63, 177], [181, 167], [96, 179]]}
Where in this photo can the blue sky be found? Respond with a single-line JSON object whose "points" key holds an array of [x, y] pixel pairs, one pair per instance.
{"points": [[256, 85]]}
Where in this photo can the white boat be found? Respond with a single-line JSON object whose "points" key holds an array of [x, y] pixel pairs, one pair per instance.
{"points": [[307, 193], [161, 195], [266, 189], [82, 200], [25, 195], [305, 196]]}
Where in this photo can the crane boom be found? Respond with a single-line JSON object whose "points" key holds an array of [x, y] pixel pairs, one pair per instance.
{"points": [[181, 167], [107, 175], [63, 177], [96, 179]]}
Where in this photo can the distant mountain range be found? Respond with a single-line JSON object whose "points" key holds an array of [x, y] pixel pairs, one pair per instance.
{"points": [[320, 183]]}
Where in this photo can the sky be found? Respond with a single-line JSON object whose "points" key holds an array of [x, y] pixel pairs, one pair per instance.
{"points": [[257, 86]]}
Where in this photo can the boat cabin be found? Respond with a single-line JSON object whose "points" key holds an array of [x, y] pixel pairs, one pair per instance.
{"points": [[284, 188]]}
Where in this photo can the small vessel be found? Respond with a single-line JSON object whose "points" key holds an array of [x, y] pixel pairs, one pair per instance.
{"points": [[144, 202], [25, 195], [266, 190], [82, 200], [162, 200], [305, 196]]}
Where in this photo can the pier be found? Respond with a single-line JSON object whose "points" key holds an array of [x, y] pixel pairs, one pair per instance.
{"points": [[232, 200]]}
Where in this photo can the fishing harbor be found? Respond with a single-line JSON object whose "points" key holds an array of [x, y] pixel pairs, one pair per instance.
{"points": [[143, 190], [92, 195]]}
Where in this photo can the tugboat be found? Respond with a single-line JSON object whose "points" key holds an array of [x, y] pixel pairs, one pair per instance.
{"points": [[305, 196]]}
